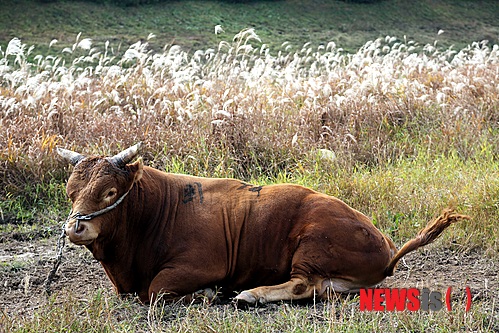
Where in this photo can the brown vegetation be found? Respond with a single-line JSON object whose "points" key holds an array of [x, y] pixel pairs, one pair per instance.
{"points": [[241, 111]]}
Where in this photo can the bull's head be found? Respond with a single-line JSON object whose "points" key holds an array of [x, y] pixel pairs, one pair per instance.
{"points": [[96, 188]]}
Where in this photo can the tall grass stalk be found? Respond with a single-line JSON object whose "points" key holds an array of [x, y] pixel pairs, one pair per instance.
{"points": [[395, 129]]}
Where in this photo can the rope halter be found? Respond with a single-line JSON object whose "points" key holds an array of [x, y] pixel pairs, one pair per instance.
{"points": [[87, 217]]}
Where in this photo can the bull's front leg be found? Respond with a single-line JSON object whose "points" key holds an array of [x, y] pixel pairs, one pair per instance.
{"points": [[176, 284]]}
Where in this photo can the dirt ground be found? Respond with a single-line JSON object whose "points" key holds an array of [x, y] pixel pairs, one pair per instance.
{"points": [[25, 265]]}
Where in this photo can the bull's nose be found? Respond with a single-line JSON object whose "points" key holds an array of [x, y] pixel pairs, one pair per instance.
{"points": [[74, 227], [80, 233]]}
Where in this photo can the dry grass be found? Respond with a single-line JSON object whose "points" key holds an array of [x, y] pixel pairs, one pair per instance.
{"points": [[106, 313], [241, 111]]}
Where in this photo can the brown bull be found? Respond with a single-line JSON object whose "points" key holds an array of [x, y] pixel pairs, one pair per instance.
{"points": [[159, 233]]}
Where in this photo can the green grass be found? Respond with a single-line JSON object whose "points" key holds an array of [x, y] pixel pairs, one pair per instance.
{"points": [[35, 211], [347, 24]]}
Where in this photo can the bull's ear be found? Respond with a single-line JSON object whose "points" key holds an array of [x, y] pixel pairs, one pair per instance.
{"points": [[70, 156], [136, 168]]}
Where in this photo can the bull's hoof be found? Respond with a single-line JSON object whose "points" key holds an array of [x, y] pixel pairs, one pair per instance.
{"points": [[245, 299]]}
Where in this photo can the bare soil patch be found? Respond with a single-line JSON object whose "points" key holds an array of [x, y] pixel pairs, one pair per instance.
{"points": [[25, 264]]}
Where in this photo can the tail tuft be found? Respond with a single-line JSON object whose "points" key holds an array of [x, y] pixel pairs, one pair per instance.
{"points": [[435, 228], [426, 236]]}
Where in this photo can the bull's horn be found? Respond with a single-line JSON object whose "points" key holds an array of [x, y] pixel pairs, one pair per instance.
{"points": [[70, 156], [126, 155]]}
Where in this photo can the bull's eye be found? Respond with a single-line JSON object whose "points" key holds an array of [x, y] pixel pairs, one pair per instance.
{"points": [[111, 193]]}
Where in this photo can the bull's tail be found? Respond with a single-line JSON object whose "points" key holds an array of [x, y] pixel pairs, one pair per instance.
{"points": [[425, 236]]}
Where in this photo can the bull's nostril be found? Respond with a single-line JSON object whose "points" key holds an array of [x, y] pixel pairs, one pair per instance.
{"points": [[78, 228]]}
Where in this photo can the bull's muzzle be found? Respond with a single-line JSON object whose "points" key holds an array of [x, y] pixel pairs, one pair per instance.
{"points": [[79, 232]]}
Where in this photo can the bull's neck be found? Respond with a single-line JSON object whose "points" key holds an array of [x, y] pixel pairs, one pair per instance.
{"points": [[140, 221]]}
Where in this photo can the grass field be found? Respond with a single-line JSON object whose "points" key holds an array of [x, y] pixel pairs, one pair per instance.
{"points": [[191, 23], [398, 130]]}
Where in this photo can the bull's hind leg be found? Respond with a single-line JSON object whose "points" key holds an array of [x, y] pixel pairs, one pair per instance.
{"points": [[298, 288], [295, 289]]}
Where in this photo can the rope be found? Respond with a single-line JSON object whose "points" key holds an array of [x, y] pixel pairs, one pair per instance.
{"points": [[58, 259], [62, 238], [78, 216]]}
